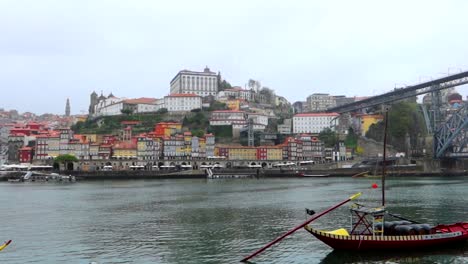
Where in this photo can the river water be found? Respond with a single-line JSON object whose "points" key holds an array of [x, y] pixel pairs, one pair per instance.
{"points": [[209, 221]]}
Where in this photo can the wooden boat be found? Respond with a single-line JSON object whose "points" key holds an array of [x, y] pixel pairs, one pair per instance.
{"points": [[370, 231], [438, 236]]}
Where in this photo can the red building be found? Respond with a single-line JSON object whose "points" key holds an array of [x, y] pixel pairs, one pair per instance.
{"points": [[25, 154]]}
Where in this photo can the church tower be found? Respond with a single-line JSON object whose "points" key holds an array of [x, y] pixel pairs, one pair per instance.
{"points": [[67, 108], [93, 102]]}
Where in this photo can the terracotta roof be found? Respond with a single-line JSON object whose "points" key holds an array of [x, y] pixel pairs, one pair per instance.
{"points": [[142, 100], [130, 122], [125, 145], [316, 114], [26, 148]]}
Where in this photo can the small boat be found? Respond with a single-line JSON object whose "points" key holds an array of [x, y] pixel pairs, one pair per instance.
{"points": [[2, 247]]}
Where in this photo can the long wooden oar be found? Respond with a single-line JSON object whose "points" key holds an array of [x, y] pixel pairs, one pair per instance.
{"points": [[299, 226], [5, 245]]}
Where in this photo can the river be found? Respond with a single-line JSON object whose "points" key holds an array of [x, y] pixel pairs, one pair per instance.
{"points": [[209, 221]]}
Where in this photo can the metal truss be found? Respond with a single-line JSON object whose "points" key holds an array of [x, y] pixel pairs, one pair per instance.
{"points": [[451, 139]]}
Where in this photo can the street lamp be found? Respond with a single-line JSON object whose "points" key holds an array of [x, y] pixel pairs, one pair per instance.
{"points": [[456, 68]]}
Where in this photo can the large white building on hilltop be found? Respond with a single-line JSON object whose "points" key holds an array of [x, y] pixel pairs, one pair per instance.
{"points": [[200, 83], [314, 122]]}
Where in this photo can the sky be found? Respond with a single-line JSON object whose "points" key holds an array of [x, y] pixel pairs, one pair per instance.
{"points": [[51, 50]]}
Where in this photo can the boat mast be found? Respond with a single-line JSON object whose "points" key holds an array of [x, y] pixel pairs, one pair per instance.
{"points": [[384, 157]]}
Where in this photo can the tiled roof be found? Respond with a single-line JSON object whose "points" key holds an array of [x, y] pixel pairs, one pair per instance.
{"points": [[125, 145], [142, 100], [315, 114]]}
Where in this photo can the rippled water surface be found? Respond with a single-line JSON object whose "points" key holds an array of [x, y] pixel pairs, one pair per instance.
{"points": [[208, 221]]}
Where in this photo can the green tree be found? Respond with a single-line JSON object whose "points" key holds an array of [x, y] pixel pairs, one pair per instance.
{"points": [[162, 111], [404, 119], [126, 111], [223, 85], [351, 139], [65, 159], [328, 137]]}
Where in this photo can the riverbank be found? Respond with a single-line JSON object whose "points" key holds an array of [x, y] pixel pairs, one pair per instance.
{"points": [[269, 173]]}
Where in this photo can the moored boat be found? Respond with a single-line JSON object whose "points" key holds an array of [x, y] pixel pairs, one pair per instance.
{"points": [[370, 231]]}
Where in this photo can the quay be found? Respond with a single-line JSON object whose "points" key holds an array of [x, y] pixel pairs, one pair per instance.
{"points": [[267, 173]]}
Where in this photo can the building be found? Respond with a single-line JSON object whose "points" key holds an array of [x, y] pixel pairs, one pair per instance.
{"points": [[167, 129], [147, 149], [47, 146], [313, 122], [200, 83], [118, 106], [343, 100], [365, 121], [25, 154], [286, 127], [238, 119], [125, 150], [180, 102], [320, 102], [209, 145], [300, 107], [67, 108]]}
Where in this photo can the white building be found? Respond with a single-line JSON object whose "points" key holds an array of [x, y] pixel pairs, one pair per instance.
{"points": [[314, 122], [201, 83], [182, 102], [114, 106], [260, 121], [238, 119]]}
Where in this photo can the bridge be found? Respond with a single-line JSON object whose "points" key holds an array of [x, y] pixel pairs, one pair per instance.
{"points": [[451, 139], [450, 135], [406, 92]]}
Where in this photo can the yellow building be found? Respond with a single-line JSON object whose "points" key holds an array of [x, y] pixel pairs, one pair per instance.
{"points": [[91, 137], [275, 153], [242, 153], [367, 121], [125, 150], [233, 104]]}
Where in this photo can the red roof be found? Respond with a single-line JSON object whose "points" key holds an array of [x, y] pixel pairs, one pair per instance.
{"points": [[125, 145], [183, 95], [316, 114], [142, 100], [26, 148], [130, 122]]}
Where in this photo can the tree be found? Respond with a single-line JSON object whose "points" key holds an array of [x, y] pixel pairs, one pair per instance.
{"points": [[162, 111], [65, 160], [224, 85], [126, 111], [351, 139], [404, 120], [328, 137]]}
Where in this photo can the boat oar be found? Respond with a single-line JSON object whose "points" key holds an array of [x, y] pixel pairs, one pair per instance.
{"points": [[5, 245], [300, 226], [402, 218]]}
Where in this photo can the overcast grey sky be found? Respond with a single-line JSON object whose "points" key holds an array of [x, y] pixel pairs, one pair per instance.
{"points": [[51, 50]]}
